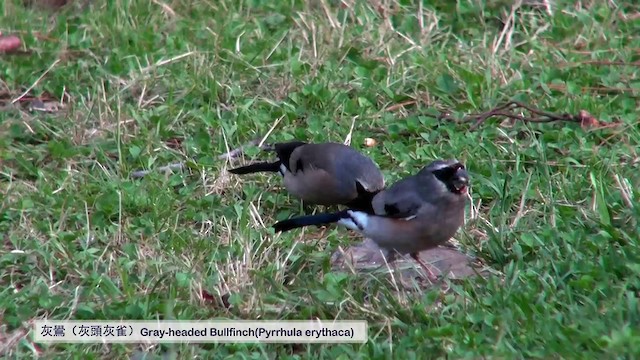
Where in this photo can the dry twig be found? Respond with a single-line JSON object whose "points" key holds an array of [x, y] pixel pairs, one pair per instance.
{"points": [[238, 151], [509, 111], [536, 115]]}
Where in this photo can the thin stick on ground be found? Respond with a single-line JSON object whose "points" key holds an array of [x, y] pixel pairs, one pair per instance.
{"points": [[535, 115], [231, 154], [35, 82], [264, 138], [347, 139]]}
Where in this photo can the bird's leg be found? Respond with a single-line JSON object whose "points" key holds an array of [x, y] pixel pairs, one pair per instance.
{"points": [[432, 277]]}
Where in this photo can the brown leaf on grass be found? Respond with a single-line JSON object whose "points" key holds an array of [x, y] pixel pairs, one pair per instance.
{"points": [[222, 301], [403, 104], [9, 43], [207, 296], [588, 121], [174, 143]]}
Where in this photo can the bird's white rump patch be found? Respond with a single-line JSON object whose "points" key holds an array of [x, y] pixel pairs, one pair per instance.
{"points": [[283, 169], [357, 220]]}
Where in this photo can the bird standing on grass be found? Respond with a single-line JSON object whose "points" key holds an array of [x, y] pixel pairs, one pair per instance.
{"points": [[415, 214], [323, 174]]}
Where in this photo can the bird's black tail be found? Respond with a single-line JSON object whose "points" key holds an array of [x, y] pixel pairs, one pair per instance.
{"points": [[301, 221], [257, 167]]}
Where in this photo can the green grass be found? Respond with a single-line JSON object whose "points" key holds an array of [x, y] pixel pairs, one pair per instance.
{"points": [[82, 240]]}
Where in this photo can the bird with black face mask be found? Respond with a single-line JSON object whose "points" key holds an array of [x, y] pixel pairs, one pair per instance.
{"points": [[323, 174], [415, 214]]}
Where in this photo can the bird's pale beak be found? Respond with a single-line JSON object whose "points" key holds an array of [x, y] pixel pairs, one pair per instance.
{"points": [[461, 181]]}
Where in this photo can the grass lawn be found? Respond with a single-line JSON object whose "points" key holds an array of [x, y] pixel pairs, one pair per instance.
{"points": [[141, 84]]}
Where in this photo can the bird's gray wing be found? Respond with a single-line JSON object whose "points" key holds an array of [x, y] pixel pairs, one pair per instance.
{"points": [[345, 163], [318, 156], [313, 177], [402, 200]]}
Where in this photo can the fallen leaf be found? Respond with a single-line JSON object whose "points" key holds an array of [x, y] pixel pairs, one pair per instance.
{"points": [[587, 120], [210, 298], [174, 143], [207, 296], [9, 43]]}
